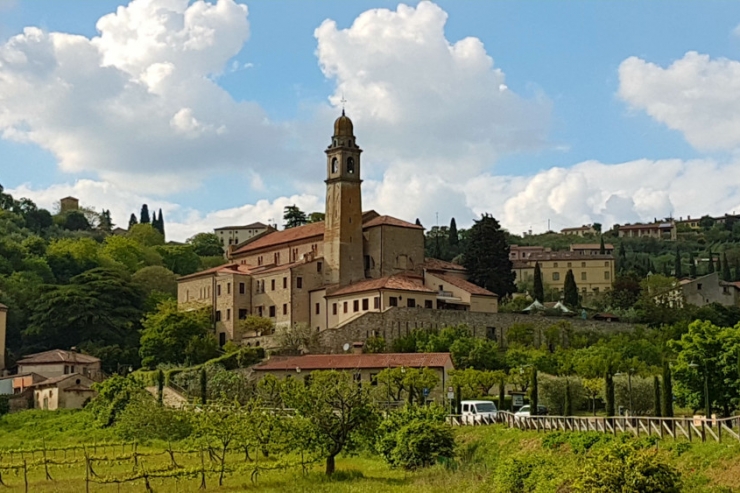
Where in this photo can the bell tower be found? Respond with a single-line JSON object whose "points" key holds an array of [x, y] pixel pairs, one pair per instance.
{"points": [[343, 250]]}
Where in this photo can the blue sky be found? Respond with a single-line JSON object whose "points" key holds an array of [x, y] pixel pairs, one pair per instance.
{"points": [[593, 123]]}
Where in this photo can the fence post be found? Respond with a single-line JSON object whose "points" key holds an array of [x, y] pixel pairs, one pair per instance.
{"points": [[703, 430]]}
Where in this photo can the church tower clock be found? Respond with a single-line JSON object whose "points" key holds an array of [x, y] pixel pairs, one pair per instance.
{"points": [[343, 249]]}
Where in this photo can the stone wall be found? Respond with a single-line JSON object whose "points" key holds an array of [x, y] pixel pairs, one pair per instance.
{"points": [[399, 322]]}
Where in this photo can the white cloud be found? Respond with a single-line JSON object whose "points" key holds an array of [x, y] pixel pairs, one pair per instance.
{"points": [[696, 95], [139, 100]]}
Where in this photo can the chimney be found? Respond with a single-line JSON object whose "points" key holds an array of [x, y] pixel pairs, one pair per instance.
{"points": [[357, 347]]}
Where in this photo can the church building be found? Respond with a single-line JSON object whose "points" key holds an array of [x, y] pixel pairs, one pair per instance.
{"points": [[327, 274]]}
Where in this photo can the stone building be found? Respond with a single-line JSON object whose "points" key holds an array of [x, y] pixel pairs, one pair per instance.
{"points": [[69, 204], [59, 362], [660, 230], [585, 230], [329, 273], [234, 235], [71, 391], [594, 272]]}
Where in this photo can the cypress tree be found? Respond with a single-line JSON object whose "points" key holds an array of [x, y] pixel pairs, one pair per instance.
{"points": [[534, 394], [677, 265], [570, 290], [737, 269], [568, 406], [144, 216], [452, 236], [458, 401], [609, 388], [487, 257], [656, 388], [692, 266], [203, 389], [502, 394], [539, 288], [711, 263], [132, 221], [667, 389], [160, 387], [602, 247], [726, 274]]}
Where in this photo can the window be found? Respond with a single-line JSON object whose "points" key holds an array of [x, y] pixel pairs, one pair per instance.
{"points": [[374, 379], [285, 308], [583, 276], [228, 288], [259, 260], [393, 301], [376, 302], [345, 307], [350, 166], [365, 304], [698, 287], [260, 311], [242, 288], [277, 258], [242, 313], [606, 264], [596, 290], [218, 290], [411, 302], [556, 276], [218, 315], [356, 306], [272, 311], [66, 370], [428, 304], [221, 338], [334, 309], [441, 288], [318, 308], [367, 262], [272, 284], [583, 264], [299, 282], [228, 314], [334, 164], [607, 275], [319, 266], [570, 265], [583, 290], [555, 265], [285, 283]]}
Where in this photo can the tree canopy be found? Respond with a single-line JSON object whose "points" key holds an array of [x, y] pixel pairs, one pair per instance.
{"points": [[487, 257]]}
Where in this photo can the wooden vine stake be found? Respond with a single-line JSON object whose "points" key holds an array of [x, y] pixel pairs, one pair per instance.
{"points": [[25, 474], [202, 470]]}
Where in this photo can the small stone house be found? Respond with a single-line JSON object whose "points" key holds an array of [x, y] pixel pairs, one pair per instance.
{"points": [[59, 362], [65, 392]]}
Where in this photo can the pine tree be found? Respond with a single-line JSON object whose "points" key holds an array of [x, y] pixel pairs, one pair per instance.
{"points": [[106, 223], [710, 266], [539, 288], [677, 265], [726, 274], [293, 216], [570, 290], [692, 266], [657, 410], [487, 257], [132, 221], [667, 390], [452, 236], [144, 216], [602, 247]]}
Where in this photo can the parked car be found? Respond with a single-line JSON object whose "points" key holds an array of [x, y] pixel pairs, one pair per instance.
{"points": [[527, 411], [478, 411]]}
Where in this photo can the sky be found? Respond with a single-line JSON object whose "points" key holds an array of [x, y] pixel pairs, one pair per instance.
{"points": [[539, 113]]}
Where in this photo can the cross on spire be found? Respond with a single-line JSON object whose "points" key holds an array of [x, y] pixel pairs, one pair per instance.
{"points": [[342, 101]]}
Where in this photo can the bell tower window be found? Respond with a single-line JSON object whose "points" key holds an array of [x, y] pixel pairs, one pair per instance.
{"points": [[334, 165], [350, 166]]}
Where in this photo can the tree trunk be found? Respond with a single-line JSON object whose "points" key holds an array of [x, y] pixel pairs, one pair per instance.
{"points": [[330, 466]]}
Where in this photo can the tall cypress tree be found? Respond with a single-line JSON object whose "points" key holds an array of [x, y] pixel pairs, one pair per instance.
{"points": [[160, 223], [737, 269], [539, 288], [418, 223], [487, 257], [667, 390], [452, 237], [657, 410], [726, 273], [692, 265], [534, 394], [144, 216], [570, 290], [568, 405], [711, 263], [677, 265], [602, 247], [132, 221], [609, 388]]}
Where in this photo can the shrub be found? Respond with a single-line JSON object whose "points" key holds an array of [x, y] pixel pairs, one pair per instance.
{"points": [[144, 419], [552, 393], [421, 443], [114, 394], [388, 431], [516, 474], [4, 404]]}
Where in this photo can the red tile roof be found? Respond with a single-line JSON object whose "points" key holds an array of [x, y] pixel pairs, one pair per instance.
{"points": [[465, 285], [56, 380], [397, 282], [3, 307], [357, 361], [57, 356], [390, 221], [221, 269], [436, 264], [591, 246], [285, 236]]}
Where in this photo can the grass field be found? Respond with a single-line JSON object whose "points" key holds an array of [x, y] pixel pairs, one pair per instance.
{"points": [[490, 459]]}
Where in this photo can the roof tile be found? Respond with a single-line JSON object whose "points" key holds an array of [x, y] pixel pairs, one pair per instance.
{"points": [[57, 356], [466, 285], [398, 282], [357, 361]]}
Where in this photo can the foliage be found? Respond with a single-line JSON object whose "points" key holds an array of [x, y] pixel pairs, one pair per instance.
{"points": [[553, 390], [375, 344], [180, 259], [293, 339], [570, 291], [420, 444], [155, 278], [145, 234], [487, 257], [206, 245], [396, 449], [405, 383], [114, 395], [293, 216], [254, 325], [539, 288], [145, 419], [642, 395]]}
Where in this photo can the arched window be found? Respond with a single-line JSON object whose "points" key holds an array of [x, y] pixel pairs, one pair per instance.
{"points": [[350, 165], [334, 165]]}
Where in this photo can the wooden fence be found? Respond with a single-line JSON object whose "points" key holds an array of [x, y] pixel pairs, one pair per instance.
{"points": [[689, 428]]}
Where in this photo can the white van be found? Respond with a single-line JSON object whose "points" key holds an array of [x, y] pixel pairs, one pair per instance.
{"points": [[478, 412]]}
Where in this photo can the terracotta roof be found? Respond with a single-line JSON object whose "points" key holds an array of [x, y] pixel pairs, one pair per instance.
{"points": [[578, 228], [390, 221], [79, 388], [3, 307], [591, 246], [646, 226], [57, 356], [465, 285], [248, 226], [436, 264], [396, 282], [221, 269], [269, 269], [565, 255], [357, 361], [56, 380], [285, 236]]}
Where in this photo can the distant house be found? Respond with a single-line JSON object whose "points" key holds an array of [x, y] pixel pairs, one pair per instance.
{"points": [[710, 289], [585, 230], [234, 235], [364, 367], [59, 362], [665, 230], [592, 248], [69, 204], [65, 392]]}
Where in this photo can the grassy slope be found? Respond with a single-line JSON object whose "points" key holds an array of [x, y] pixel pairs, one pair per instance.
{"points": [[491, 458]]}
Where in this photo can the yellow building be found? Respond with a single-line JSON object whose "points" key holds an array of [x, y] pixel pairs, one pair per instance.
{"points": [[593, 272], [329, 273]]}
